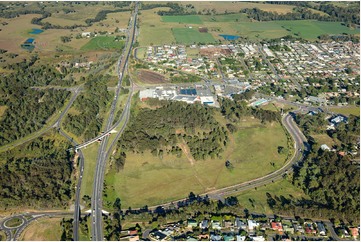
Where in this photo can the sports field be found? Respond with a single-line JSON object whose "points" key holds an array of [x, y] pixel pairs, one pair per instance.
{"points": [[190, 36], [186, 19], [148, 180], [103, 43]]}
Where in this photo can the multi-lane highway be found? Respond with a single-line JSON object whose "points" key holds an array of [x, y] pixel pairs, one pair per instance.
{"points": [[96, 201]]}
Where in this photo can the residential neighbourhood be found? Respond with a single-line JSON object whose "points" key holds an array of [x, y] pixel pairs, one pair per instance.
{"points": [[234, 228]]}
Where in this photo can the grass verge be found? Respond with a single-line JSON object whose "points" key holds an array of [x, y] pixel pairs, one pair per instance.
{"points": [[43, 229]]}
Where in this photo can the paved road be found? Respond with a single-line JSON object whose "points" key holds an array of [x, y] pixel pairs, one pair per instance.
{"points": [[13, 233], [97, 228]]}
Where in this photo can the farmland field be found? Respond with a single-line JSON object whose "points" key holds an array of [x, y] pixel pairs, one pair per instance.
{"points": [[43, 229], [307, 29], [103, 43], [225, 18], [170, 178], [79, 15], [186, 19], [221, 7], [152, 30], [190, 36]]}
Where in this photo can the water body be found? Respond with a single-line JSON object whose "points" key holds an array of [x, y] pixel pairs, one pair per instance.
{"points": [[229, 37], [36, 31]]}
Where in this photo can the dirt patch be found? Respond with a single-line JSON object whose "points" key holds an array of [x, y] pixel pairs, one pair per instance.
{"points": [[151, 77], [214, 51], [186, 151]]}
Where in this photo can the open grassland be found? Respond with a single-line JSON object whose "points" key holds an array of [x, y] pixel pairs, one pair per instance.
{"points": [[149, 180], [190, 36], [159, 30], [2, 236], [310, 29], [225, 18], [90, 155], [354, 110], [256, 199], [152, 30], [77, 17], [2, 110], [325, 139], [185, 19], [16, 32], [307, 29], [43, 229], [221, 7], [103, 43]]}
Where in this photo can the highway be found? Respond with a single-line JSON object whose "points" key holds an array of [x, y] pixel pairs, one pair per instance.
{"points": [[96, 201]]}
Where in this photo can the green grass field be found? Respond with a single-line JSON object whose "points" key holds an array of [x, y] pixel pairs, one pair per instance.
{"points": [[190, 36], [325, 139], [256, 199], [238, 17], [354, 110], [186, 19], [90, 155], [43, 229], [309, 29], [103, 43], [148, 180]]}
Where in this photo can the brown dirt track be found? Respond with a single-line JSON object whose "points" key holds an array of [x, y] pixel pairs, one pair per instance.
{"points": [[151, 77]]}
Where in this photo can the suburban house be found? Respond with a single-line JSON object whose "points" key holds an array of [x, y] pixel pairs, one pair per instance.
{"points": [[321, 229], [277, 226]]}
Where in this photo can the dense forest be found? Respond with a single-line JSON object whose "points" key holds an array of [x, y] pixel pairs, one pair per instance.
{"points": [[27, 109], [91, 106], [37, 174], [333, 183]]}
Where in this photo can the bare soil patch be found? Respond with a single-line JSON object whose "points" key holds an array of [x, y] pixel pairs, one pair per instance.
{"points": [[151, 77]]}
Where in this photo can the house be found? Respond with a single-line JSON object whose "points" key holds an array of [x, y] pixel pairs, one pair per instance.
{"points": [[325, 147], [216, 224], [354, 232], [257, 238], [239, 224], [240, 238], [338, 119], [85, 34], [216, 237], [134, 238], [228, 224], [191, 223], [309, 228], [228, 237], [204, 224], [157, 235], [203, 236], [252, 224], [132, 232], [277, 226], [321, 229], [287, 226]]}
